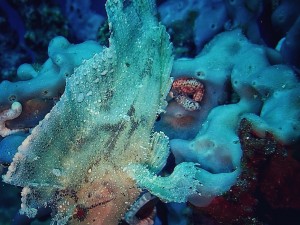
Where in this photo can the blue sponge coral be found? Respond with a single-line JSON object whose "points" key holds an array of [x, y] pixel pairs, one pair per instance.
{"points": [[49, 81]]}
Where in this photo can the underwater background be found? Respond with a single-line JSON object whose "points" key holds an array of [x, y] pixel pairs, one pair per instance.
{"points": [[233, 108]]}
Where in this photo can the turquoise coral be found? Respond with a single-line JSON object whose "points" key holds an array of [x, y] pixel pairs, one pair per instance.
{"points": [[263, 92], [49, 81]]}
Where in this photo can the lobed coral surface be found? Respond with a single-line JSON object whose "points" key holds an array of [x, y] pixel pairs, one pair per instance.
{"points": [[101, 155]]}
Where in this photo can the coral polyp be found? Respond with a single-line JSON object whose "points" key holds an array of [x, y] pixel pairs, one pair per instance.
{"points": [[187, 92]]}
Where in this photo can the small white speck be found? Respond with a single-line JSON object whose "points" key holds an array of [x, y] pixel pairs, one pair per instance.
{"points": [[56, 172], [104, 72], [80, 97]]}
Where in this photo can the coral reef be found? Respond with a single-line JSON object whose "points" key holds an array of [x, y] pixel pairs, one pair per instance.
{"points": [[124, 134], [48, 81], [15, 54], [286, 19], [260, 21], [84, 22], [39, 19], [29, 26], [263, 194], [208, 18], [262, 93]]}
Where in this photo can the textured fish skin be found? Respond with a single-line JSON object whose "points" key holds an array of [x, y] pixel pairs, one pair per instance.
{"points": [[74, 159]]}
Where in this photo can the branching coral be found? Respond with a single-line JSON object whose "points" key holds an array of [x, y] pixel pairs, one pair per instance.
{"points": [[10, 114]]}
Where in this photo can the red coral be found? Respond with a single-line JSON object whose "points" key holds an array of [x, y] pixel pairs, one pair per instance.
{"points": [[281, 183], [268, 188], [187, 92]]}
